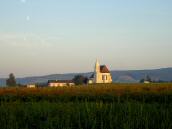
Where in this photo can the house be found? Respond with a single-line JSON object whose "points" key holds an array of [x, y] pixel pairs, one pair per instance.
{"points": [[101, 74], [146, 82], [31, 86], [60, 83]]}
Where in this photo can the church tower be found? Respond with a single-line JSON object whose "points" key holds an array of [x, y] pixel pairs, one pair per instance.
{"points": [[97, 72], [97, 67], [101, 74]]}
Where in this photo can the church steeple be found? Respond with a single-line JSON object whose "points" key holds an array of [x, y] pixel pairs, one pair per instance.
{"points": [[97, 66]]}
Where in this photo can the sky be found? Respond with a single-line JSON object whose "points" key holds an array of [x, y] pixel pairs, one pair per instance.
{"points": [[40, 37]]}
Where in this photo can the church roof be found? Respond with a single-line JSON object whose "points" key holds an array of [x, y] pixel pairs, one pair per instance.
{"points": [[104, 69]]}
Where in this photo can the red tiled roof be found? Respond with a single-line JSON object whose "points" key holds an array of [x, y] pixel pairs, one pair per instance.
{"points": [[104, 69]]}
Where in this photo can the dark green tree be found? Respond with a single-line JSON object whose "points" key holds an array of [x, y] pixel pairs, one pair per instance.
{"points": [[142, 80], [80, 80], [11, 81], [148, 78]]}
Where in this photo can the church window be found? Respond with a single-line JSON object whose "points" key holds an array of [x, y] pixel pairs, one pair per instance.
{"points": [[104, 77]]}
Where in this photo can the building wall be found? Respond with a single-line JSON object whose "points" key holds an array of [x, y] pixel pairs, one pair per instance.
{"points": [[60, 84], [103, 78], [56, 84], [31, 86]]}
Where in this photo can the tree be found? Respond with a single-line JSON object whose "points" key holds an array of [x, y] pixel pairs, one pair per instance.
{"points": [[142, 80], [148, 78], [11, 81], [80, 80]]}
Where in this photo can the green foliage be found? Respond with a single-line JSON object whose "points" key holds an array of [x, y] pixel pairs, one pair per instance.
{"points": [[85, 115], [147, 78], [80, 80], [99, 92], [11, 81], [110, 106], [142, 80]]}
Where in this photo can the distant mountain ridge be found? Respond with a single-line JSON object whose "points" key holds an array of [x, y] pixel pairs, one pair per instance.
{"points": [[164, 74], [121, 76]]}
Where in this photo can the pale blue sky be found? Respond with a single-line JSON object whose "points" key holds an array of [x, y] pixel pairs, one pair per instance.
{"points": [[39, 37]]}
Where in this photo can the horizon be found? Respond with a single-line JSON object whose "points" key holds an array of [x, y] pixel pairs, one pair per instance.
{"points": [[46, 37], [112, 70]]}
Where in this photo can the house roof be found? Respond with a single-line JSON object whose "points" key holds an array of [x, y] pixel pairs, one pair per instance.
{"points": [[104, 69], [60, 81]]}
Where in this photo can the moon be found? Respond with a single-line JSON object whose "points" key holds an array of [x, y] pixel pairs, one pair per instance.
{"points": [[28, 18], [23, 1]]}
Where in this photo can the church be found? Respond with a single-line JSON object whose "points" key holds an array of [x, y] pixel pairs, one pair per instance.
{"points": [[101, 74]]}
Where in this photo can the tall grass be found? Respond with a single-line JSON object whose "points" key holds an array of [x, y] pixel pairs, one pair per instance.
{"points": [[85, 115], [113, 106], [108, 93]]}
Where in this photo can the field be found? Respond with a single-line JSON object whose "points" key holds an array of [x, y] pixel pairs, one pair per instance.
{"points": [[110, 106]]}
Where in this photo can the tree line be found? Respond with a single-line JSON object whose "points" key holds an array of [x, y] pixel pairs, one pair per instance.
{"points": [[78, 80]]}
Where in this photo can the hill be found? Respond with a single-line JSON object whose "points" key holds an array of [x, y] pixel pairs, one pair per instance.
{"points": [[125, 76], [164, 74]]}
